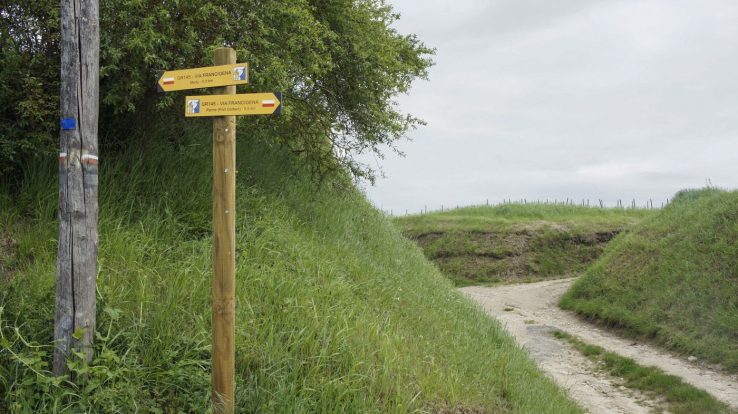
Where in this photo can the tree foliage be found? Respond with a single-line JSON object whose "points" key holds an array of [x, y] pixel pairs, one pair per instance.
{"points": [[339, 63], [29, 81]]}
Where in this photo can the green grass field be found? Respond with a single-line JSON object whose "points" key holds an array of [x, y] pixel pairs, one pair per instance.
{"points": [[336, 310], [516, 242], [678, 397], [673, 278]]}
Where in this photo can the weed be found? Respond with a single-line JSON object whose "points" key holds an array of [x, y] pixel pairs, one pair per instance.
{"points": [[672, 278], [515, 242], [336, 311], [680, 397]]}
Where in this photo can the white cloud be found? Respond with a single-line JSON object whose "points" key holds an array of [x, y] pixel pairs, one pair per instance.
{"points": [[569, 98], [615, 170]]}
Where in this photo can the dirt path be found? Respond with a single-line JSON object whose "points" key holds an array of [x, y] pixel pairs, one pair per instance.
{"points": [[531, 316]]}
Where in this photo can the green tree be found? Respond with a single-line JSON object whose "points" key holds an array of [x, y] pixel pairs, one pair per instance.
{"points": [[29, 82], [340, 64]]}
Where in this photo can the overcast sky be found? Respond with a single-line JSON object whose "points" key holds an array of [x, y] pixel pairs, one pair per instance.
{"points": [[549, 99]]}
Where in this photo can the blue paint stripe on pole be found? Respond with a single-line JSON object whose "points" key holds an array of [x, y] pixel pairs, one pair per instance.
{"points": [[68, 124]]}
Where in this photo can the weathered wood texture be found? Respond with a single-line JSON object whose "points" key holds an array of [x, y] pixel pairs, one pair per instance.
{"points": [[224, 249], [78, 174]]}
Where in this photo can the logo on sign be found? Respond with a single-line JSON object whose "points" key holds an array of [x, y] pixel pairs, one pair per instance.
{"points": [[193, 106], [239, 73]]}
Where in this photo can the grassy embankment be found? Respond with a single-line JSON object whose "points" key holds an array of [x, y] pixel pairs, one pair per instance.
{"points": [[516, 242], [678, 397], [336, 311], [673, 278]]}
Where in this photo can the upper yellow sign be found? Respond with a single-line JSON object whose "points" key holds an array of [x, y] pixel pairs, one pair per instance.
{"points": [[239, 104], [209, 77]]}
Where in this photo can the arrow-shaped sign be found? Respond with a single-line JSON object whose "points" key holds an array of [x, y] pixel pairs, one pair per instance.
{"points": [[240, 104], [209, 77]]}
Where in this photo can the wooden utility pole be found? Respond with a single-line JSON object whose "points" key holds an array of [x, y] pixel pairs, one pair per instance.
{"points": [[74, 324], [224, 249]]}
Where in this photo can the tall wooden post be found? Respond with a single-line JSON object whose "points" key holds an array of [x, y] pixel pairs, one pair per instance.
{"points": [[74, 324], [224, 249]]}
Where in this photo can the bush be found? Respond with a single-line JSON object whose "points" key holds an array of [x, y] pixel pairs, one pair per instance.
{"points": [[339, 64]]}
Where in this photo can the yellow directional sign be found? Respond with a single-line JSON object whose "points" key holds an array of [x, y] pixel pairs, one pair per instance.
{"points": [[240, 104], [209, 77]]}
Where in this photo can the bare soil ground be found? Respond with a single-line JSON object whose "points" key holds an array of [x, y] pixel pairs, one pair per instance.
{"points": [[530, 313]]}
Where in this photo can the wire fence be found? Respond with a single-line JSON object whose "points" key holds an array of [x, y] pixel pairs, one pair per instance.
{"points": [[585, 202]]}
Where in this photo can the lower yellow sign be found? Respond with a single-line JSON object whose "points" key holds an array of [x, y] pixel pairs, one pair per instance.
{"points": [[240, 104]]}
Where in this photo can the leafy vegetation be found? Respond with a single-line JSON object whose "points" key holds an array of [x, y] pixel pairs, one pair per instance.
{"points": [[338, 63], [673, 278], [515, 242], [680, 397], [336, 311]]}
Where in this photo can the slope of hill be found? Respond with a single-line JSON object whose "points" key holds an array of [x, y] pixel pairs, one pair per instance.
{"points": [[336, 311], [515, 242], [673, 278]]}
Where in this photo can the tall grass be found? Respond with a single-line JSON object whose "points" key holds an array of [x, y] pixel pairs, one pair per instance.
{"points": [[678, 396], [674, 278], [516, 242], [336, 311], [505, 216]]}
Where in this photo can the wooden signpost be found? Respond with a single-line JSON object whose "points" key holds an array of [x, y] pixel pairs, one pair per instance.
{"points": [[223, 106], [208, 77], [244, 104]]}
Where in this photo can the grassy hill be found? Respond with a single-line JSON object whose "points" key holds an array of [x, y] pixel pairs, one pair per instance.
{"points": [[515, 242], [336, 311], [673, 278]]}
